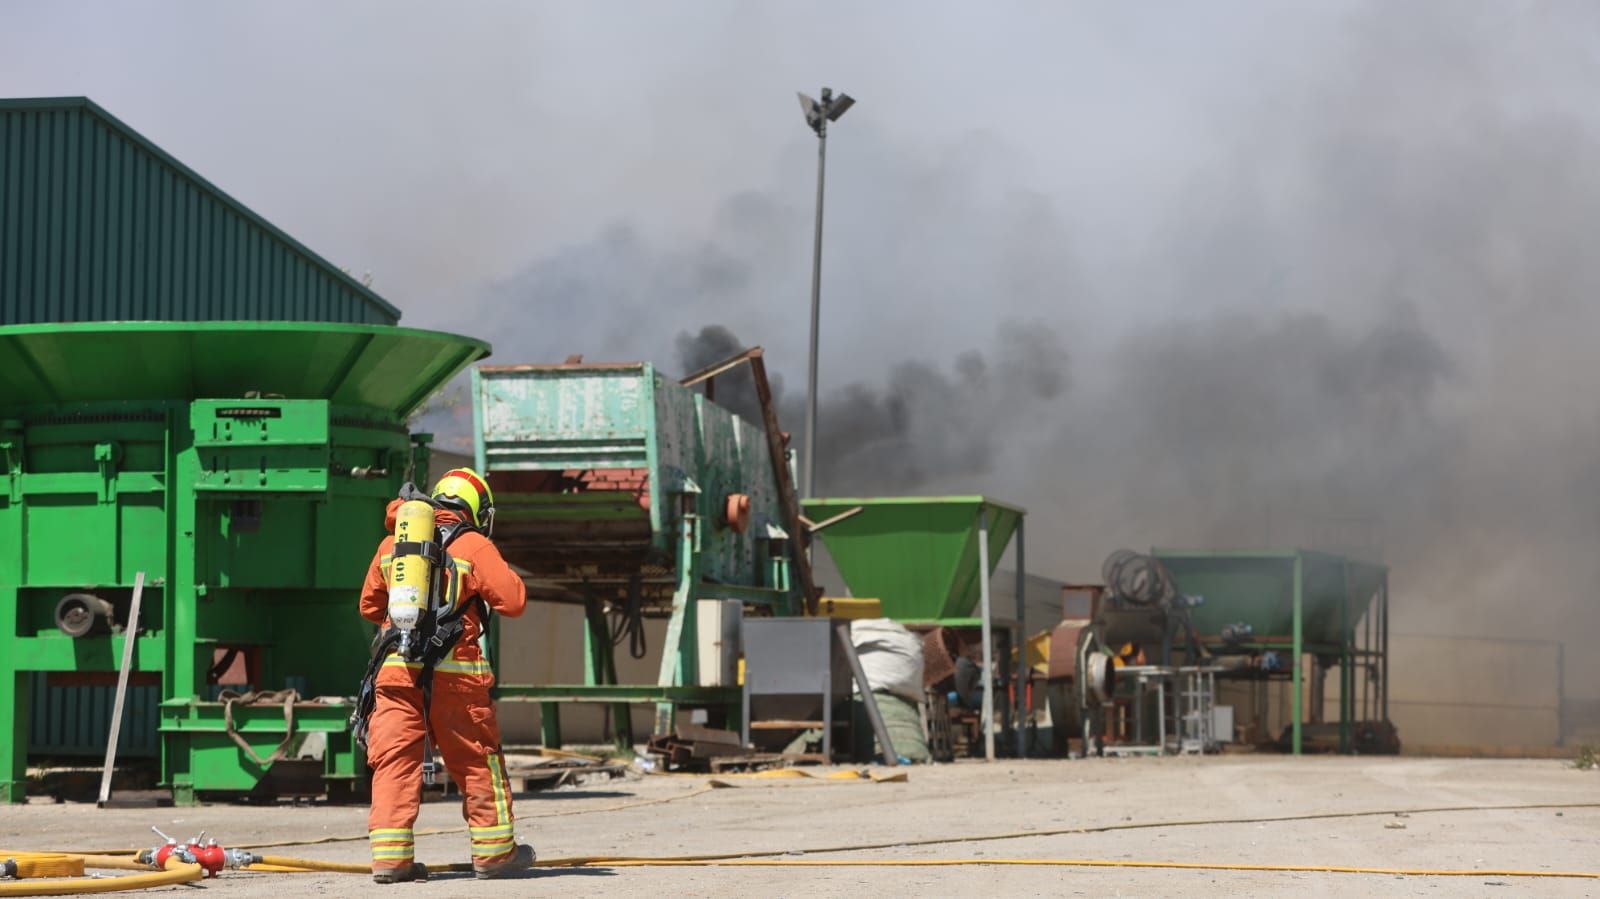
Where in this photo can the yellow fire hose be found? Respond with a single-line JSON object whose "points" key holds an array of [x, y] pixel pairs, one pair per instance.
{"points": [[66, 864], [178, 872], [285, 865], [279, 864], [1046, 862], [42, 864], [439, 831], [60, 864]]}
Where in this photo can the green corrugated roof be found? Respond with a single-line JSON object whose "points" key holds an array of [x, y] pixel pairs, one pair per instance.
{"points": [[99, 223]]}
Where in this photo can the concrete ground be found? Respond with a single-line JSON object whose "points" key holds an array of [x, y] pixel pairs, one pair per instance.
{"points": [[955, 803]]}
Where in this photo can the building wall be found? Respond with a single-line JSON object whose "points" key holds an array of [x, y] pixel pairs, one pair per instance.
{"points": [[1446, 693], [1475, 692]]}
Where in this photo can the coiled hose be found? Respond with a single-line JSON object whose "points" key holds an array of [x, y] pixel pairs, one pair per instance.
{"points": [[67, 865], [627, 622], [1137, 579]]}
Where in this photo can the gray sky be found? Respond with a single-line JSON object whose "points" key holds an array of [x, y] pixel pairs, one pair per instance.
{"points": [[447, 148], [1179, 274]]}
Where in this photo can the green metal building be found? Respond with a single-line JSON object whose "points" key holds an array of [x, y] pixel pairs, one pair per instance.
{"points": [[99, 224], [187, 393]]}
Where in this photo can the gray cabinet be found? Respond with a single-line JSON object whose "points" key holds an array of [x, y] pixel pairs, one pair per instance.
{"points": [[795, 672]]}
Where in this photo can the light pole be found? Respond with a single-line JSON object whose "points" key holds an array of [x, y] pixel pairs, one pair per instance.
{"points": [[818, 115]]}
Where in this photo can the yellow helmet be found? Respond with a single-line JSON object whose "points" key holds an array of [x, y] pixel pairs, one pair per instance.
{"points": [[462, 489]]}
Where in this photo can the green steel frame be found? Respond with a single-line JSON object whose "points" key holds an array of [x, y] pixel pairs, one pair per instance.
{"points": [[688, 456], [1336, 610], [131, 448]]}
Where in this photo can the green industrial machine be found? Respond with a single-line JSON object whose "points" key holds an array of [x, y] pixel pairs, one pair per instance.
{"points": [[243, 469], [1330, 608], [635, 496], [929, 561], [919, 556]]}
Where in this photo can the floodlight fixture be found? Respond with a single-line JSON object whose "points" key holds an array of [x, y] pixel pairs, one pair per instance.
{"points": [[810, 109]]}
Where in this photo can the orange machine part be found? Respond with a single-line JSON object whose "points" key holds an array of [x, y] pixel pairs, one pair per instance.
{"points": [[737, 512]]}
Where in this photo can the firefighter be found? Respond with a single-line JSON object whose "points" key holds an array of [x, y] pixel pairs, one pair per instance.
{"points": [[450, 702]]}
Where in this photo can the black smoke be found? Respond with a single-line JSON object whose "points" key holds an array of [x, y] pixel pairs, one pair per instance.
{"points": [[1356, 312], [924, 425], [735, 390]]}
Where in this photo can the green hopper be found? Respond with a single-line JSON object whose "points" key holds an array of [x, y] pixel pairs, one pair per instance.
{"points": [[929, 561]]}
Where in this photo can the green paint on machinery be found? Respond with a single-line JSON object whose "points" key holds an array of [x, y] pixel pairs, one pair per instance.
{"points": [[244, 468], [615, 485], [1300, 603], [917, 555], [1258, 588]]}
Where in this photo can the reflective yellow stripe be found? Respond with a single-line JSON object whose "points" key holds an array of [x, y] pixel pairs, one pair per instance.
{"points": [[458, 666], [448, 666], [453, 593], [391, 843], [497, 776], [499, 838]]}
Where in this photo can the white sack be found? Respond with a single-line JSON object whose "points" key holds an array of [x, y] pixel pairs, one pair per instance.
{"points": [[890, 655]]}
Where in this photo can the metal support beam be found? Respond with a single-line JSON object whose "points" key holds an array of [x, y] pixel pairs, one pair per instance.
{"points": [[15, 699], [600, 668], [109, 767], [1384, 658], [549, 724], [891, 757], [810, 460], [1298, 677], [1347, 679], [1021, 688], [677, 659], [987, 717]]}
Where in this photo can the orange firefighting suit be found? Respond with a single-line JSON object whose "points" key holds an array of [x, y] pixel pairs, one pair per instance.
{"points": [[460, 716]]}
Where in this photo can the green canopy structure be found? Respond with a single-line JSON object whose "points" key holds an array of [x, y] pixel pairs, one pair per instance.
{"points": [[370, 366]]}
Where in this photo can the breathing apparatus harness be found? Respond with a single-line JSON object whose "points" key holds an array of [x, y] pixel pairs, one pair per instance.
{"points": [[437, 630]]}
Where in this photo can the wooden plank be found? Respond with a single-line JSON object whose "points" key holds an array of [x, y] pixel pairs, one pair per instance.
{"points": [[778, 724], [752, 761], [130, 636], [696, 733]]}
